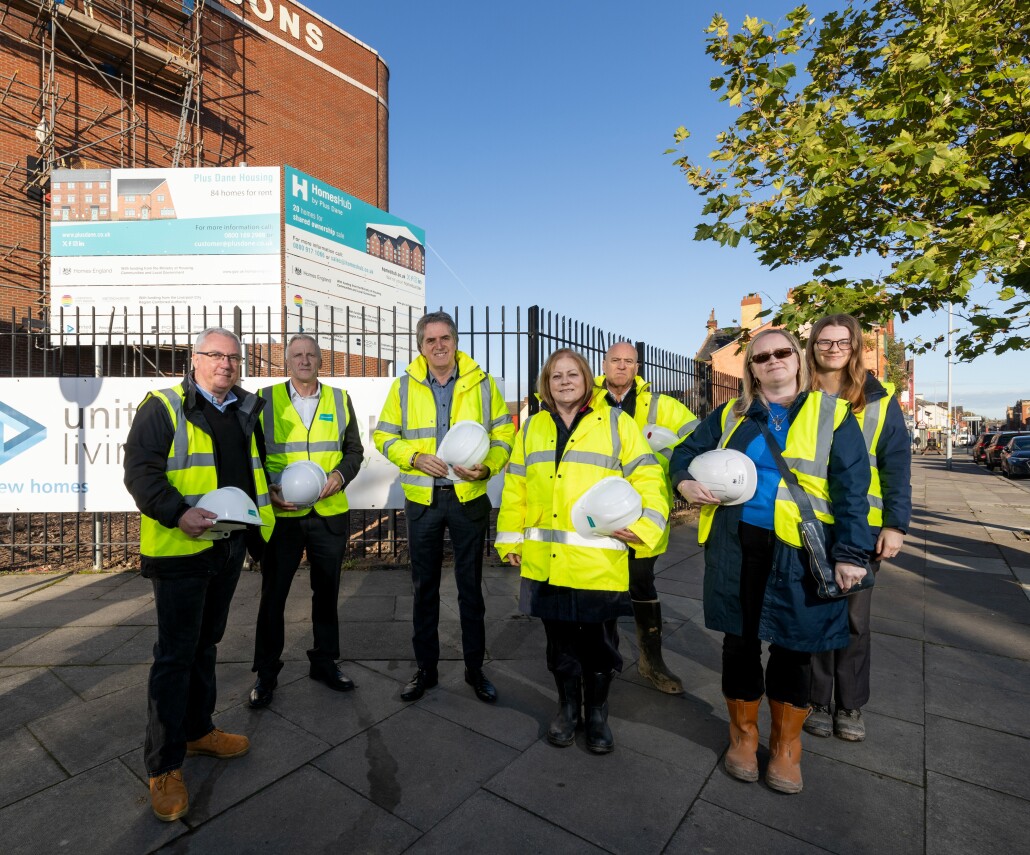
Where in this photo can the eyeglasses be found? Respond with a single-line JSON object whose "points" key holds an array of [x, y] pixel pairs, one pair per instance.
{"points": [[234, 358], [826, 344], [780, 353]]}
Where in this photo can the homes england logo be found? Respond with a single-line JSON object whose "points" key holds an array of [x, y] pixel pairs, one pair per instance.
{"points": [[28, 432]]}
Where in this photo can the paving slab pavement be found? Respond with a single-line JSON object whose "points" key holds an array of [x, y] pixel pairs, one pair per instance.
{"points": [[943, 769]]}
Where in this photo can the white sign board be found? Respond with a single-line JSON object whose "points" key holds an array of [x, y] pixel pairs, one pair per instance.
{"points": [[63, 442]]}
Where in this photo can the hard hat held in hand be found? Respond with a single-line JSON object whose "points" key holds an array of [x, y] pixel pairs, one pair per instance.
{"points": [[465, 444], [610, 504], [302, 482], [235, 510], [660, 438], [729, 475]]}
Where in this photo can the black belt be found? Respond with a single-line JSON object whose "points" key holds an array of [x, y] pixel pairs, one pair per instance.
{"points": [[444, 486]]}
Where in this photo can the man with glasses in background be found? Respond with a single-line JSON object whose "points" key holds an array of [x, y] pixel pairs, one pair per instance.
{"points": [[186, 441]]}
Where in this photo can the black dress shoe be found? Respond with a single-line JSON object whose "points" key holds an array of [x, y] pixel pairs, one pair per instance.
{"points": [[423, 679], [334, 678], [261, 694], [483, 688]]}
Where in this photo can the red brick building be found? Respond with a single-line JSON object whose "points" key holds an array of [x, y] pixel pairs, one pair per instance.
{"points": [[94, 84]]}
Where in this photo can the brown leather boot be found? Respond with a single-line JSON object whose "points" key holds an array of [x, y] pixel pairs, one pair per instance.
{"points": [[168, 796], [741, 760], [784, 772], [648, 617], [219, 744]]}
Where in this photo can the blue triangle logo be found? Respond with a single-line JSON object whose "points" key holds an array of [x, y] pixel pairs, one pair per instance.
{"points": [[30, 432]]}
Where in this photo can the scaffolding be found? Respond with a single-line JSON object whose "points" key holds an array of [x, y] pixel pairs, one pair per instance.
{"points": [[140, 55]]}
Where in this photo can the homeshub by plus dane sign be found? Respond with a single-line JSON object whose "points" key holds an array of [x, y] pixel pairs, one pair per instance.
{"points": [[19, 432]]}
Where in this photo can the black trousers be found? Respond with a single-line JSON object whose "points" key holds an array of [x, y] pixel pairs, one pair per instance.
{"points": [[325, 540], [786, 678], [575, 649], [843, 675], [641, 577], [467, 523], [192, 611]]}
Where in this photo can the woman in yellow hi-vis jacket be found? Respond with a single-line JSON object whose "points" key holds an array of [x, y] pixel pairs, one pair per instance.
{"points": [[578, 585]]}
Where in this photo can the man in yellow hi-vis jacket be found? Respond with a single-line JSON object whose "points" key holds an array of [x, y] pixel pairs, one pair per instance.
{"points": [[439, 389]]}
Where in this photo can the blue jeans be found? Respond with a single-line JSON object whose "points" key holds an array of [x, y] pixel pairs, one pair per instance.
{"points": [[192, 611]]}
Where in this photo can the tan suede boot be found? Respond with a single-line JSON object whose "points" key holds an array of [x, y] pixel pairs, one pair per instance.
{"points": [[168, 796], [741, 760], [784, 772]]}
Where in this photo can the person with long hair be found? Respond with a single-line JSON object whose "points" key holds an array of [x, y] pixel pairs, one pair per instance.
{"points": [[757, 584], [834, 358], [577, 584]]}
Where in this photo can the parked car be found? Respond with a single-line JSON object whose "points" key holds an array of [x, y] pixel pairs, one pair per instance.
{"points": [[1015, 457], [993, 449], [980, 448]]}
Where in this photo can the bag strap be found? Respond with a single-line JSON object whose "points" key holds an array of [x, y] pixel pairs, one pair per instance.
{"points": [[799, 496]]}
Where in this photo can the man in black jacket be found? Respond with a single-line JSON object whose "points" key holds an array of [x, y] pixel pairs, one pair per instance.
{"points": [[186, 441]]}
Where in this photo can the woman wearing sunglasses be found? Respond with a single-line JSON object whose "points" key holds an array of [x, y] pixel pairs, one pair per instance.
{"points": [[757, 586], [834, 359]]}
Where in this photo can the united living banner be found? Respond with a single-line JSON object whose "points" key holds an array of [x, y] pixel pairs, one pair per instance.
{"points": [[158, 240], [63, 442], [344, 253]]}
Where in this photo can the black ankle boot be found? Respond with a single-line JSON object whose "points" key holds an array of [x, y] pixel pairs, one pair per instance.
{"points": [[562, 731], [599, 735]]}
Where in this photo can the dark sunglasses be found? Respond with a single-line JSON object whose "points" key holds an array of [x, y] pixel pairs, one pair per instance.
{"points": [[780, 353]]}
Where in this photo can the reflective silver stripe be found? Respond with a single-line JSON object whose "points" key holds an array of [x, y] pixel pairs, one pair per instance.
{"points": [[388, 427], [643, 460], [875, 502], [535, 457], [498, 443], [731, 424], [418, 433], [516, 469], [819, 505], [807, 467], [506, 419], [655, 517], [263, 501], [485, 413], [417, 480], [652, 410], [388, 443], [870, 421], [613, 420], [592, 458], [341, 415], [328, 445], [571, 538], [666, 453], [508, 537], [688, 428], [402, 391], [193, 498]]}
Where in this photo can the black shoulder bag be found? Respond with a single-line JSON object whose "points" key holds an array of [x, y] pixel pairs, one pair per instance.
{"points": [[811, 530]]}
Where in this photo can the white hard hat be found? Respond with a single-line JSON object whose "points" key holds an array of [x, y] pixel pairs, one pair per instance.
{"points": [[610, 504], [729, 475], [302, 482], [465, 444], [235, 510], [660, 438]]}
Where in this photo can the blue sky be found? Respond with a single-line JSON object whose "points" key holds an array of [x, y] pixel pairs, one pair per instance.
{"points": [[541, 127]]}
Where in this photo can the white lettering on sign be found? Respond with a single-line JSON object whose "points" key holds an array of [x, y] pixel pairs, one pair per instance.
{"points": [[289, 21]]}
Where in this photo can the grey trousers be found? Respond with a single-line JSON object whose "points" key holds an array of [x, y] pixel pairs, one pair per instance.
{"points": [[843, 675]]}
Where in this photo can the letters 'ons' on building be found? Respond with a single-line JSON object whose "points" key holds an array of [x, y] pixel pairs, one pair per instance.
{"points": [[150, 83]]}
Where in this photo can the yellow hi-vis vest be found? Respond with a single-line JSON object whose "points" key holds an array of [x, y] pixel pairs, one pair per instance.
{"points": [[807, 455], [408, 424], [654, 409], [191, 470], [535, 520], [288, 440], [871, 420]]}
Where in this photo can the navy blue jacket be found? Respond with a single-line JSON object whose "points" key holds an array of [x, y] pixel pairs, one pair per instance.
{"points": [[793, 615]]}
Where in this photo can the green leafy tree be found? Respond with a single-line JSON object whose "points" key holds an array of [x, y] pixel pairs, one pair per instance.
{"points": [[906, 137]]}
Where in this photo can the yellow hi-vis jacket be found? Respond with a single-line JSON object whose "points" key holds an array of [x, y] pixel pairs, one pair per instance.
{"points": [[408, 424], [807, 455], [871, 420], [288, 440], [655, 409], [535, 520], [191, 470]]}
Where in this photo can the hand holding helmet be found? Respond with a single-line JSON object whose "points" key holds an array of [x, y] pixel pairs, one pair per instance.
{"points": [[729, 477], [609, 506], [464, 448], [228, 509]]}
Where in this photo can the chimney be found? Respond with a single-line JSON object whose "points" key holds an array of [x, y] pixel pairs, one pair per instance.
{"points": [[750, 306], [713, 325]]}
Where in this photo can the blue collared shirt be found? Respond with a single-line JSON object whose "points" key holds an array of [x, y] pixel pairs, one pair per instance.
{"points": [[443, 394], [229, 398]]}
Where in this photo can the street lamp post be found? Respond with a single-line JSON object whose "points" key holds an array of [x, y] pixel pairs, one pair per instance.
{"points": [[948, 356]]}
